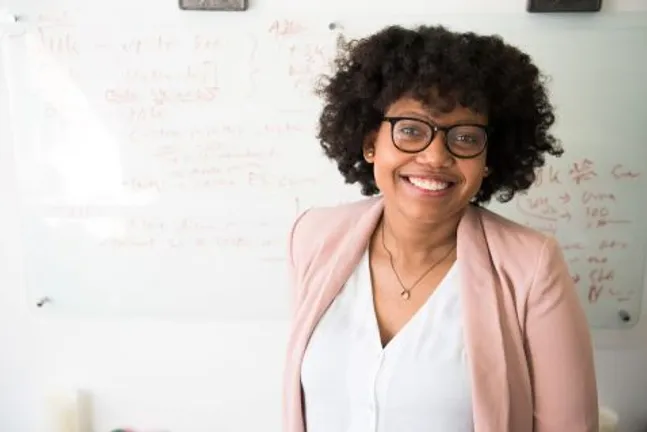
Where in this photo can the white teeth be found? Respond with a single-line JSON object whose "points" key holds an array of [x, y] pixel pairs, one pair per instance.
{"points": [[430, 185]]}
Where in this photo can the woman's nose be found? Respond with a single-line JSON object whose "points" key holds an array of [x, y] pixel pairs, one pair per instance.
{"points": [[436, 154]]}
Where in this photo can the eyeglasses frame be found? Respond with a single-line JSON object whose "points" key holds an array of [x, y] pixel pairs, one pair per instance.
{"points": [[434, 131]]}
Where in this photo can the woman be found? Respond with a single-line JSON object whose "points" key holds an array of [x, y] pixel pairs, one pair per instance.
{"points": [[419, 310]]}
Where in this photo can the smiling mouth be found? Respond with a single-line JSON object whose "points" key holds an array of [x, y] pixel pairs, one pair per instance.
{"points": [[429, 184]]}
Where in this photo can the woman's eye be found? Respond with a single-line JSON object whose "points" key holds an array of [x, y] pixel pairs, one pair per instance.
{"points": [[466, 138], [410, 131]]}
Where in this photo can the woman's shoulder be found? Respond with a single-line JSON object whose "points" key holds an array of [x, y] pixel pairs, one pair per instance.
{"points": [[323, 227], [504, 231], [328, 218], [522, 253]]}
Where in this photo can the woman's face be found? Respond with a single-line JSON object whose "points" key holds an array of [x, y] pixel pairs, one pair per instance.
{"points": [[431, 185]]}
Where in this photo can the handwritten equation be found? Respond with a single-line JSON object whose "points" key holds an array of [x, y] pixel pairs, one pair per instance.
{"points": [[190, 112], [281, 57], [259, 240], [586, 206]]}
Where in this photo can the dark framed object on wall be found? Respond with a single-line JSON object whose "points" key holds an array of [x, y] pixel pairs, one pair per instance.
{"points": [[214, 5], [564, 5]]}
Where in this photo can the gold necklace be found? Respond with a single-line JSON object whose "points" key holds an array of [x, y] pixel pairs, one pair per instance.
{"points": [[406, 293]]}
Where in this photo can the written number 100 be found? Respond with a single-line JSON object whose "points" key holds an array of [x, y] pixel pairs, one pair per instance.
{"points": [[597, 212]]}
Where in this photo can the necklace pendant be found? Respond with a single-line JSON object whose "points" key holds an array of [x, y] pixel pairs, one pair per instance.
{"points": [[405, 294]]}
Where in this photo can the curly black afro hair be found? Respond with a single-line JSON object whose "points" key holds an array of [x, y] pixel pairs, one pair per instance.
{"points": [[481, 73]]}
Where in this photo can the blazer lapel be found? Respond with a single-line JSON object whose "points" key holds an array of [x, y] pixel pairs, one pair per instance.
{"points": [[322, 287], [480, 297]]}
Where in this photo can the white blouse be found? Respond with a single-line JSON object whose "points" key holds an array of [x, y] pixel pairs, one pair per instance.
{"points": [[418, 383]]}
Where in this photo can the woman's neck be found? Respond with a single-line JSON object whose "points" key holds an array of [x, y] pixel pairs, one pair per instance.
{"points": [[416, 242]]}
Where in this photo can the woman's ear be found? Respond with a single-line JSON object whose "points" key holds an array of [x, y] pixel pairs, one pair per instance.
{"points": [[368, 148], [369, 154]]}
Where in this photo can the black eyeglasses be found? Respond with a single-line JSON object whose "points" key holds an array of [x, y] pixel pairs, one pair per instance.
{"points": [[412, 135]]}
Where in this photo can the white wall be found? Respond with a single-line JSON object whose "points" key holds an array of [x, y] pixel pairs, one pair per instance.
{"points": [[163, 374]]}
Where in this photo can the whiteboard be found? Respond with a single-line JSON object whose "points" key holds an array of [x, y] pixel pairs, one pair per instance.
{"points": [[160, 166]]}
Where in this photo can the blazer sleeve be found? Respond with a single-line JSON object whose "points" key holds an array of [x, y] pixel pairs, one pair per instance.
{"points": [[559, 349]]}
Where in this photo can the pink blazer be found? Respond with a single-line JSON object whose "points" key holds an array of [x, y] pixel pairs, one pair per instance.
{"points": [[531, 357]]}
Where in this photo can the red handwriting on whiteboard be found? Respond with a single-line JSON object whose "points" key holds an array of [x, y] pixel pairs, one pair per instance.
{"points": [[573, 246], [594, 292], [600, 223], [536, 202], [552, 176], [582, 171], [547, 216], [597, 259], [597, 278], [612, 244], [595, 196], [285, 28], [597, 212], [58, 42], [599, 275], [600, 216], [620, 172]]}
